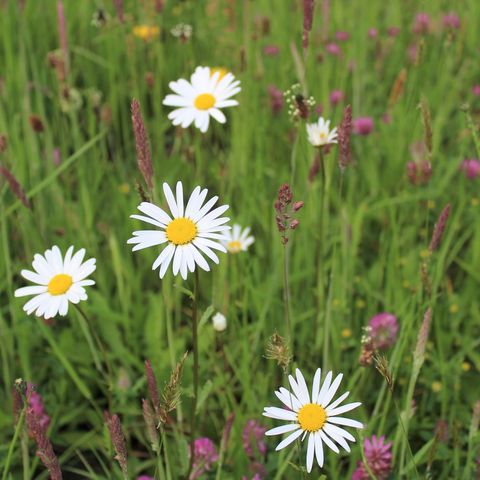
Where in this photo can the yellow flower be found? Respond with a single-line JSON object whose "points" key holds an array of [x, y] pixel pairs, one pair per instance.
{"points": [[146, 32], [453, 308], [475, 202], [360, 303], [431, 204], [425, 253], [346, 333], [466, 366], [437, 387], [124, 188]]}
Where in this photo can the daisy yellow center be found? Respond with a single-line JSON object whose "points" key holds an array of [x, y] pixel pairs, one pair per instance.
{"points": [[312, 417], [234, 246], [59, 284], [322, 136], [220, 70], [181, 231], [204, 101]]}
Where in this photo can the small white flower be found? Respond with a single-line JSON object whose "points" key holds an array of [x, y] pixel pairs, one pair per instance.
{"points": [[316, 416], [191, 231], [219, 322], [319, 134], [59, 280], [208, 91], [236, 240]]}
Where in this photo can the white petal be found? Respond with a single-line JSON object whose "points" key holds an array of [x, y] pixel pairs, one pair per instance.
{"points": [[280, 414], [32, 290], [85, 270], [170, 200], [177, 260], [302, 385], [348, 422], [325, 387], [155, 212], [198, 258], [163, 255], [287, 441], [319, 449], [332, 390], [310, 452], [338, 401], [328, 442], [217, 115], [316, 385], [35, 277], [342, 409], [166, 261], [282, 429], [180, 199]]}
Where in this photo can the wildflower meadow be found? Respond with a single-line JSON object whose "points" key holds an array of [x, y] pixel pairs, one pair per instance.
{"points": [[239, 239]]}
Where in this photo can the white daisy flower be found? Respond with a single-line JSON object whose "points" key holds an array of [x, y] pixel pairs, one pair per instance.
{"points": [[190, 232], [208, 91], [316, 415], [59, 280], [319, 134], [236, 240]]}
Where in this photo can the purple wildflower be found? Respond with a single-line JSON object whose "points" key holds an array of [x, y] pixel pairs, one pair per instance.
{"points": [[451, 21], [271, 50], [145, 477], [393, 31], [422, 23], [419, 172], [476, 90], [379, 458], [363, 125], [333, 49], [372, 33], [253, 439], [342, 36], [336, 96], [383, 330], [276, 99], [205, 455], [471, 168], [35, 404]]}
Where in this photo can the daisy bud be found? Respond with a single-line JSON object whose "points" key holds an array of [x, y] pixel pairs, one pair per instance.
{"points": [[14, 185], [118, 441], [144, 159], [439, 229], [219, 322]]}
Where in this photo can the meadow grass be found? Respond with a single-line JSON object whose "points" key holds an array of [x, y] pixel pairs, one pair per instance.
{"points": [[358, 250]]}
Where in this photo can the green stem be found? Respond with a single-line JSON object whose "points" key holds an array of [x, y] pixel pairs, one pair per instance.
{"points": [[286, 295], [193, 417], [12, 444]]}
